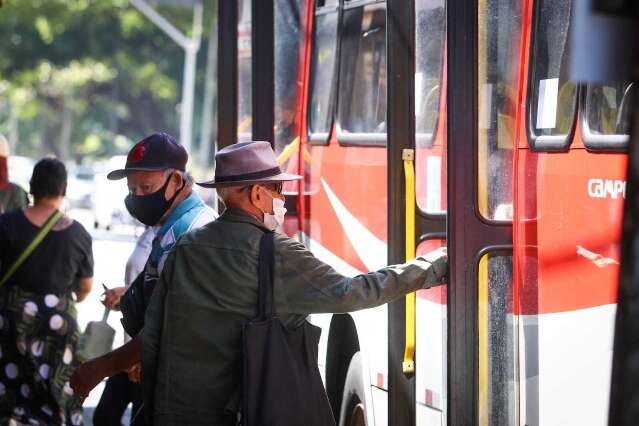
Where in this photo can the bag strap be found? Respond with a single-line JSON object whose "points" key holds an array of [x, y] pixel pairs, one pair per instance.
{"points": [[49, 224], [265, 263]]}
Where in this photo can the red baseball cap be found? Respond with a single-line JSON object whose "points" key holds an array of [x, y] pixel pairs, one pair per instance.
{"points": [[159, 151]]}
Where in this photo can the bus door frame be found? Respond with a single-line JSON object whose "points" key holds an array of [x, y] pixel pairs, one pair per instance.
{"points": [[624, 390], [227, 73], [263, 70], [400, 27], [469, 236]]}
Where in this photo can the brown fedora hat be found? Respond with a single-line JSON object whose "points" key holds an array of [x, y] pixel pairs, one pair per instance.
{"points": [[247, 163]]}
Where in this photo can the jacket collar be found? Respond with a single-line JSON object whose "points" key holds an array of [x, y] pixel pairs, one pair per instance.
{"points": [[240, 216], [190, 202]]}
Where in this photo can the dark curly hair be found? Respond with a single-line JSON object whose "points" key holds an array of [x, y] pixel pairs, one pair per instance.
{"points": [[49, 179]]}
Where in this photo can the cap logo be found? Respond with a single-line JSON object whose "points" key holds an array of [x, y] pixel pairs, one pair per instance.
{"points": [[137, 153]]}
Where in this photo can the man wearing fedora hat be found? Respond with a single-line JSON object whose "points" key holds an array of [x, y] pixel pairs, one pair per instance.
{"points": [[191, 342], [160, 196]]}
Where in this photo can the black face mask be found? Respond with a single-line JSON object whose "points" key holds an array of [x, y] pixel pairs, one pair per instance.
{"points": [[149, 208]]}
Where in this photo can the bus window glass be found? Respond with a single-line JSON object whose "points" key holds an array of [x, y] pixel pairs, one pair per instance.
{"points": [[608, 108], [553, 97], [362, 91], [498, 74], [244, 96], [288, 81], [431, 335], [322, 72], [430, 35], [498, 343]]}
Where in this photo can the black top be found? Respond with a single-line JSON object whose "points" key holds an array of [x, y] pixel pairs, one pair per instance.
{"points": [[55, 265]]}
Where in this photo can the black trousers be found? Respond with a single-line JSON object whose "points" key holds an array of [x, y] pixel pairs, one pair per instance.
{"points": [[118, 393]]}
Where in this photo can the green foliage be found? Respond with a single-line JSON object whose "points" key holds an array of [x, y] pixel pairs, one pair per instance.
{"points": [[98, 63]]}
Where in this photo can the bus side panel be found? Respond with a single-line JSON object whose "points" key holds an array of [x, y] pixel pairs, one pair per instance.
{"points": [[346, 227], [568, 203]]}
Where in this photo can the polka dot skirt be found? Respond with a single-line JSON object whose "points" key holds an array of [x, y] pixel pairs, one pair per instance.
{"points": [[38, 337]]}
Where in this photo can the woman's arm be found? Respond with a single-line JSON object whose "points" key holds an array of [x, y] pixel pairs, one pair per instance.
{"points": [[84, 288]]}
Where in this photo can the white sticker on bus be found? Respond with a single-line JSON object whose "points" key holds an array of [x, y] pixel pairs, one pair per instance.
{"points": [[434, 182], [419, 87], [485, 106], [606, 188], [547, 103]]}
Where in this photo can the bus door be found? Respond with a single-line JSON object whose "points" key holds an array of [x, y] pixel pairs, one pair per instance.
{"points": [[624, 409], [417, 207], [430, 191], [484, 74]]}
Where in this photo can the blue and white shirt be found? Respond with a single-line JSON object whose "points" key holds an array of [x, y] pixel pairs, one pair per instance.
{"points": [[190, 214]]}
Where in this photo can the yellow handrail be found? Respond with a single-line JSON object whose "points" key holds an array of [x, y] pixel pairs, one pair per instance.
{"points": [[288, 150], [408, 155]]}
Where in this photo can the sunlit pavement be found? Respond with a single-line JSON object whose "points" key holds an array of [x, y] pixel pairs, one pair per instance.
{"points": [[111, 249]]}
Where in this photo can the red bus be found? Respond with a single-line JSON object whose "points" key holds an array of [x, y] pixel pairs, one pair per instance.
{"points": [[418, 123]]}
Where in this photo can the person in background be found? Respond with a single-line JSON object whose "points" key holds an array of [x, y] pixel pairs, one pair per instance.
{"points": [[124, 388], [12, 196], [160, 196], [39, 330], [191, 342]]}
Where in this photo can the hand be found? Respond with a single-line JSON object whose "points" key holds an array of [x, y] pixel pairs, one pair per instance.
{"points": [[134, 373], [112, 297], [85, 378], [438, 260], [437, 254]]}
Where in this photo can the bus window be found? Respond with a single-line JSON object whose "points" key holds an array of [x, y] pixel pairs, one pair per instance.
{"points": [[430, 33], [244, 96], [320, 114], [430, 36], [498, 343], [288, 46], [498, 77], [362, 80], [605, 120], [552, 98]]}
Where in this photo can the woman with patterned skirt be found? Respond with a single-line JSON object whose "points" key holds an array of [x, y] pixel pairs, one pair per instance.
{"points": [[38, 326]]}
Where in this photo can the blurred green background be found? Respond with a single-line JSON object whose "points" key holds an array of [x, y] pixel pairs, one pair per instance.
{"points": [[84, 79]]}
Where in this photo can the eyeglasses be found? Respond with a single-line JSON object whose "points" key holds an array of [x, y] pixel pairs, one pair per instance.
{"points": [[273, 186]]}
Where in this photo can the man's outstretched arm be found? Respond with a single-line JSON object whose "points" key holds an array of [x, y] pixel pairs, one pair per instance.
{"points": [[88, 375]]}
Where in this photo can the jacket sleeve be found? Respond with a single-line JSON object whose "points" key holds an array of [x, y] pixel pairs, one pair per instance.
{"points": [[151, 336], [311, 286]]}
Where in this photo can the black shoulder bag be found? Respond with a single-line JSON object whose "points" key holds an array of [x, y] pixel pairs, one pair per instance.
{"points": [[281, 383]]}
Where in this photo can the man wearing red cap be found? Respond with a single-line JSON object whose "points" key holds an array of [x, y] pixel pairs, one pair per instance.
{"points": [[160, 196]]}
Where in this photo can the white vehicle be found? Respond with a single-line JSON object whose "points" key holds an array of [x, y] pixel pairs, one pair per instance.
{"points": [[20, 170], [81, 187], [108, 199]]}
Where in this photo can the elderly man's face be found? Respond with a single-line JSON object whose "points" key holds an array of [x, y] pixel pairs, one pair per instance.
{"points": [[145, 183]]}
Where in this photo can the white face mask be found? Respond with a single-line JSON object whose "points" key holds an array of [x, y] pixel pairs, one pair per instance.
{"points": [[276, 219]]}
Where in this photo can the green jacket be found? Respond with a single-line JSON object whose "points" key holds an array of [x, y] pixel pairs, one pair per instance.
{"points": [[191, 342], [13, 197]]}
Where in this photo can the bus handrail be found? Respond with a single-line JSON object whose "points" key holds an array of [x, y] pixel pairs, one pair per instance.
{"points": [[408, 156]]}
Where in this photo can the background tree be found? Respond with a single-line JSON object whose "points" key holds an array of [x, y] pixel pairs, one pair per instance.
{"points": [[85, 78]]}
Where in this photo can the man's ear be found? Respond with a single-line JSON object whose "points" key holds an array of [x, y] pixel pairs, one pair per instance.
{"points": [[177, 180], [256, 196]]}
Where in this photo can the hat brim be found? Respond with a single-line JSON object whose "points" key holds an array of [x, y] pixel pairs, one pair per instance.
{"points": [[121, 173], [282, 177]]}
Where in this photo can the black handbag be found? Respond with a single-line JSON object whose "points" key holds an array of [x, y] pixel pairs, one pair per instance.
{"points": [[133, 304], [281, 383]]}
